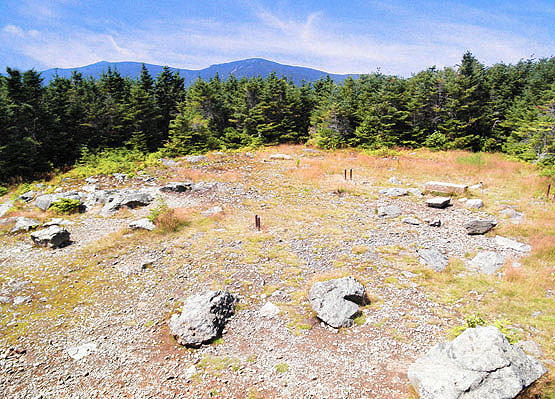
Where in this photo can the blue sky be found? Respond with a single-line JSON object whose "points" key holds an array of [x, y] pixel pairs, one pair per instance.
{"points": [[396, 37]]}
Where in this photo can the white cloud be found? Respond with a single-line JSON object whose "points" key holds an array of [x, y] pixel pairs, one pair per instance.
{"points": [[13, 30]]}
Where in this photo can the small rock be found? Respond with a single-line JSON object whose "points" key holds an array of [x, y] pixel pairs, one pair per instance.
{"points": [[411, 220], [512, 244], [394, 180], [514, 216], [476, 203], [4, 208], [213, 211], [435, 223], [79, 352], [91, 180], [4, 299], [24, 224], [54, 237], [438, 202], [168, 162], [530, 347], [28, 196], [89, 188], [394, 192], [177, 187], [269, 310], [476, 186], [249, 154], [19, 300], [414, 191], [433, 259], [144, 224], [487, 262], [389, 211], [189, 372], [479, 226], [196, 158], [281, 156]]}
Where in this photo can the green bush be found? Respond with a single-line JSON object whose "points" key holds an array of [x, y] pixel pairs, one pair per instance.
{"points": [[3, 191], [110, 161], [66, 205], [478, 320]]}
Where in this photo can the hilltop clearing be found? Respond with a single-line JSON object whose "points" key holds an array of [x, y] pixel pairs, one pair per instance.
{"points": [[91, 317]]}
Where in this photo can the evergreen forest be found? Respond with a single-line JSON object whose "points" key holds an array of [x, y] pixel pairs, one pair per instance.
{"points": [[503, 107]]}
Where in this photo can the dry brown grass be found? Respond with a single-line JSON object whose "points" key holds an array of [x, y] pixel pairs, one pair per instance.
{"points": [[172, 219]]}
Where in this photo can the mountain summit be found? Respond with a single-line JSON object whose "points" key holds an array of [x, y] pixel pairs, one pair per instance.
{"points": [[250, 67]]}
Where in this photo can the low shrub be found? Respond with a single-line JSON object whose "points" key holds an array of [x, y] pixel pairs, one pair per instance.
{"points": [[478, 320], [66, 205]]}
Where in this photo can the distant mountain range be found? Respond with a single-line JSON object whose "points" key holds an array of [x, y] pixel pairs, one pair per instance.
{"points": [[251, 67]]}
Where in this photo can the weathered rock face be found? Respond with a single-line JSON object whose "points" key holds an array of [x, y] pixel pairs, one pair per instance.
{"points": [[414, 191], [52, 237], [479, 226], [394, 192], [203, 317], [478, 364], [24, 224], [143, 224], [389, 211], [448, 188], [4, 208], [514, 216], [177, 187], [512, 244], [336, 302], [438, 202], [487, 262], [433, 259], [28, 196]]}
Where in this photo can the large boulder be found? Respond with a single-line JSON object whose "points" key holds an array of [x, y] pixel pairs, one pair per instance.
{"points": [[177, 187], [433, 259], [389, 211], [447, 188], [24, 224], [476, 203], [487, 262], [203, 317], [53, 237], [478, 364], [336, 302], [479, 226]]}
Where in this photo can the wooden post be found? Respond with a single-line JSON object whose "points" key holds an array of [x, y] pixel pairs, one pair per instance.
{"points": [[548, 190], [257, 222], [345, 172], [350, 174]]}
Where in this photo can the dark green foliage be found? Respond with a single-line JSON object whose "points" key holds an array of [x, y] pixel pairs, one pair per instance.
{"points": [[119, 120], [65, 205]]}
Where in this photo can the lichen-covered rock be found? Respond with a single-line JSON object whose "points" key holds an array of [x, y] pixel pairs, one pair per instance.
{"points": [[394, 192], [448, 188], [203, 317], [512, 244], [389, 211], [478, 364], [24, 224], [336, 302], [143, 224], [53, 237], [487, 262]]}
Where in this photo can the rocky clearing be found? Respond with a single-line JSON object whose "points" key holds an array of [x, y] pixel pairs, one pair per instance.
{"points": [[90, 320]]}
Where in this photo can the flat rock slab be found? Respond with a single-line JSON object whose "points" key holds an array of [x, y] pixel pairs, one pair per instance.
{"points": [[479, 226], [411, 220], [44, 202], [203, 317], [447, 188], [389, 211], [438, 202], [487, 262], [336, 302], [125, 198], [394, 192], [177, 187], [53, 237], [433, 259], [514, 216], [478, 364], [512, 244]]}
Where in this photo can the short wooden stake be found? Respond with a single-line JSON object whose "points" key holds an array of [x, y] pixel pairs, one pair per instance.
{"points": [[350, 174], [548, 190], [345, 172]]}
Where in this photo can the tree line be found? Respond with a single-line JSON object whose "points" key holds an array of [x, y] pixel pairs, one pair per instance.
{"points": [[503, 107]]}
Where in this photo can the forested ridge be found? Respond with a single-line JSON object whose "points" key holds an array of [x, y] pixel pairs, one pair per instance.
{"points": [[509, 108]]}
